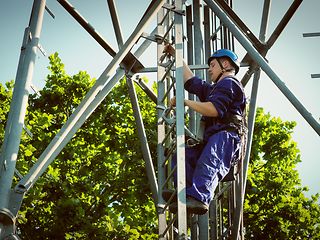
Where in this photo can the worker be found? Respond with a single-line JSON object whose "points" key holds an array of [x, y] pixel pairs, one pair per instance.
{"points": [[222, 106]]}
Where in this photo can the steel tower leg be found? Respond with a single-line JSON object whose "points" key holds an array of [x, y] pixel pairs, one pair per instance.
{"points": [[171, 131], [16, 117]]}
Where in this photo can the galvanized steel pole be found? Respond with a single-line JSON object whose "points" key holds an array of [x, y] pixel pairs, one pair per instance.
{"points": [[181, 174], [203, 220], [251, 119], [16, 117], [161, 130]]}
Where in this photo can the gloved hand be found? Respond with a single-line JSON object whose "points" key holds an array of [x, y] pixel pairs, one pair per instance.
{"points": [[169, 50]]}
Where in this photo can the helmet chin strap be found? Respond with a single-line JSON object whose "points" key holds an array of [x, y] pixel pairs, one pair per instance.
{"points": [[223, 70]]}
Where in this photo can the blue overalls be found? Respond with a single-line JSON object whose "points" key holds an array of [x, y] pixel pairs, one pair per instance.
{"points": [[208, 163]]}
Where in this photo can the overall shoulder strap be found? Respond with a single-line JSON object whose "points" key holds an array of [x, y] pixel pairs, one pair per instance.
{"points": [[236, 81]]}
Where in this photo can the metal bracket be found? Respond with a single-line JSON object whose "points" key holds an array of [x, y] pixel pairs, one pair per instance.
{"points": [[153, 38], [50, 12], [172, 8], [41, 49], [6, 216], [27, 130], [20, 176], [35, 90], [165, 113]]}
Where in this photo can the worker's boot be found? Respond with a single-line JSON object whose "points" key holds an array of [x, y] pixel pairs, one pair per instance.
{"points": [[194, 206]]}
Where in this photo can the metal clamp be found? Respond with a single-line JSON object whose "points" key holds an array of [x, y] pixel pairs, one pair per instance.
{"points": [[164, 117]]}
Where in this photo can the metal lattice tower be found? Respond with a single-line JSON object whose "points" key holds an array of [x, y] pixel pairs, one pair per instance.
{"points": [[196, 31]]}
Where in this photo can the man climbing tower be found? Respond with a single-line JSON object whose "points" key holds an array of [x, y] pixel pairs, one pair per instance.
{"points": [[222, 106]]}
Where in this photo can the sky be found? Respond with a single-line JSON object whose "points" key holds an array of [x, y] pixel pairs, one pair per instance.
{"points": [[293, 57]]}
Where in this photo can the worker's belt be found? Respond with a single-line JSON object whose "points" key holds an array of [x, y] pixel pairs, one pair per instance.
{"points": [[232, 123]]}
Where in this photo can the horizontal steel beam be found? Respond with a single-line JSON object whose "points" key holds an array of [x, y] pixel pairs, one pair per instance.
{"points": [[315, 34]]}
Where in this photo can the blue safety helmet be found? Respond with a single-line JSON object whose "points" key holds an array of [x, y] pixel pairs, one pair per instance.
{"points": [[226, 53]]}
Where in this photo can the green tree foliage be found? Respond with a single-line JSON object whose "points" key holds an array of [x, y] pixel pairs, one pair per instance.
{"points": [[275, 204], [97, 187]]}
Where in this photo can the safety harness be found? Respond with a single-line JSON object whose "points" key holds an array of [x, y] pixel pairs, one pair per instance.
{"points": [[239, 124]]}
